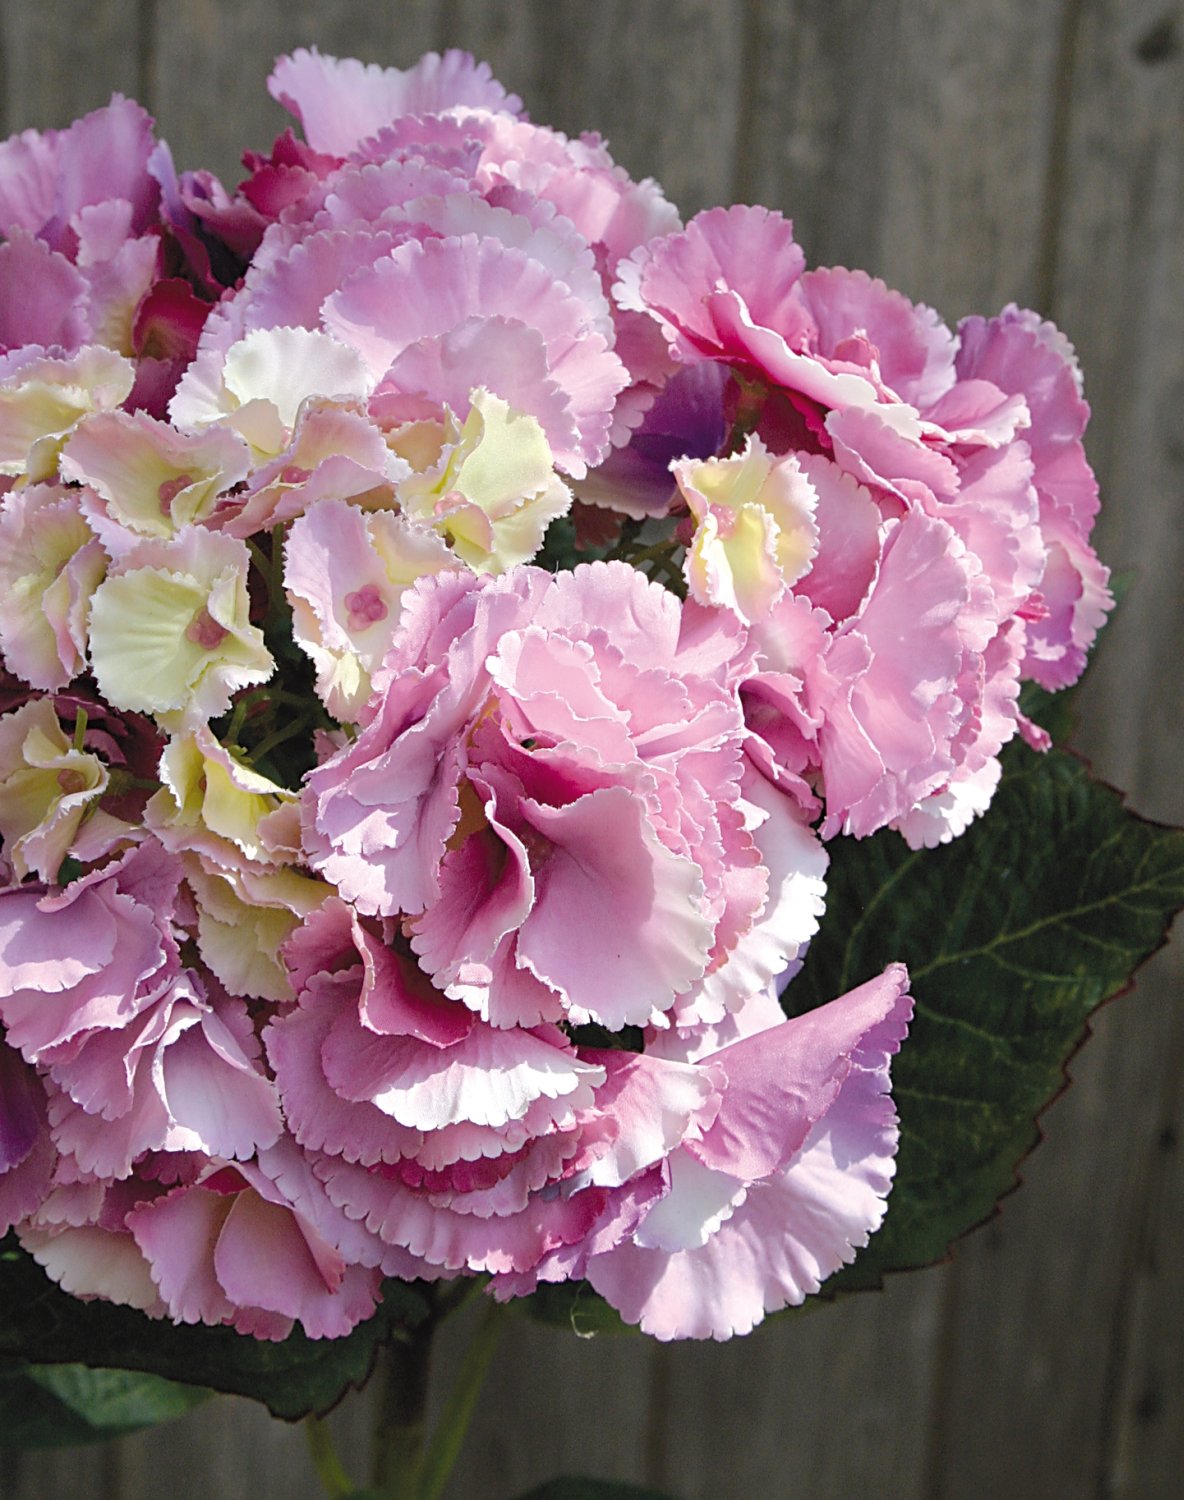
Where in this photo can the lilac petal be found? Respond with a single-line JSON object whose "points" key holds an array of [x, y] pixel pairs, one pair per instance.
{"points": [[793, 1229], [42, 296], [340, 102], [652, 1103], [213, 1090], [22, 1108], [177, 1235], [641, 937], [319, 1117], [455, 1241], [57, 977], [489, 1078], [781, 1082]]}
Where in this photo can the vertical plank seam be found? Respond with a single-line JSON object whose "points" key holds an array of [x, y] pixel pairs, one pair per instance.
{"points": [[447, 26], [146, 19], [945, 1339], [1116, 1370], [745, 152], [1056, 171], [659, 1410], [7, 123]]}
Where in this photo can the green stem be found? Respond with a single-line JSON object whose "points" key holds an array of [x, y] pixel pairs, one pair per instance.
{"points": [[330, 1470], [407, 1464], [263, 566], [400, 1419], [277, 737], [458, 1411], [748, 412]]}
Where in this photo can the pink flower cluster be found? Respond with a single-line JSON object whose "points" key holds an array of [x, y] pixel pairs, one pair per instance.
{"points": [[387, 890]]}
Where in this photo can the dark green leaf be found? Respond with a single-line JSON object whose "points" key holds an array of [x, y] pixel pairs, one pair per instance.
{"points": [[571, 1487], [41, 1324], [1013, 934], [53, 1406]]}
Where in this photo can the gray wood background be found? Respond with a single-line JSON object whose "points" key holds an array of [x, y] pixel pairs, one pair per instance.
{"points": [[971, 154]]}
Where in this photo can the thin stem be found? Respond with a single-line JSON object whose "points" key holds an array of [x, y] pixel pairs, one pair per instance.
{"points": [[751, 403], [458, 1411], [401, 1415], [263, 566], [277, 737], [330, 1470]]}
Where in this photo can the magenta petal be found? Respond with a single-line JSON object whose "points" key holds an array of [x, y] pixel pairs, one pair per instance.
{"points": [[319, 1117], [231, 1254], [262, 1259], [456, 1241], [42, 296], [177, 1235], [399, 1000], [213, 1090], [22, 1108], [27, 1154]]}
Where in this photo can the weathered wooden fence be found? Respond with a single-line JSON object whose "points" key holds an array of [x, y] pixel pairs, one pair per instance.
{"points": [[972, 154]]}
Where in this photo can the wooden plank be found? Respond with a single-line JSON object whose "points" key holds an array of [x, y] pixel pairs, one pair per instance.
{"points": [[229, 1447], [908, 138], [49, 1473], [828, 1402], [1142, 1449], [1058, 1380], [553, 1404], [61, 59], [1122, 263], [210, 60]]}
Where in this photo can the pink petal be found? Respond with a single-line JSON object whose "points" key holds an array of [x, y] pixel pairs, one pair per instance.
{"points": [[341, 102], [640, 937], [177, 1235], [781, 1082], [42, 296]]}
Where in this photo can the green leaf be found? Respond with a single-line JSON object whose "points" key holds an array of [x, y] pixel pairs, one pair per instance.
{"points": [[298, 1375], [575, 1306], [54, 1406], [1013, 934], [571, 1487]]}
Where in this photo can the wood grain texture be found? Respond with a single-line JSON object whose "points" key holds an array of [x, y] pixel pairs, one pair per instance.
{"points": [[210, 60], [59, 63], [970, 154], [1056, 1380]]}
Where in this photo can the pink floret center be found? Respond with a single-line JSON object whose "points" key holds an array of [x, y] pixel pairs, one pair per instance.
{"points": [[169, 490], [366, 607], [204, 631]]}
